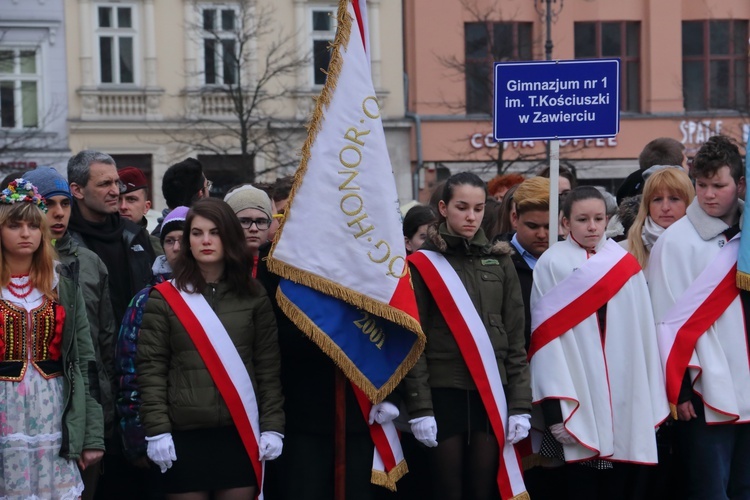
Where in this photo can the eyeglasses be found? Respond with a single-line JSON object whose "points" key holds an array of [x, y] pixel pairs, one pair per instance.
{"points": [[208, 185], [170, 242], [261, 224]]}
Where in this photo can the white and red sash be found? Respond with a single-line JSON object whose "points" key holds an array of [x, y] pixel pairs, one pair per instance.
{"points": [[609, 383], [388, 464], [702, 303], [474, 343], [224, 365], [581, 294]]}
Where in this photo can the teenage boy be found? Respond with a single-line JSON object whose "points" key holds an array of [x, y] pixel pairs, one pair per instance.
{"points": [[701, 321]]}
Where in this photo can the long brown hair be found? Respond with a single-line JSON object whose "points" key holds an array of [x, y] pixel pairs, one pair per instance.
{"points": [[237, 259], [42, 270], [672, 180]]}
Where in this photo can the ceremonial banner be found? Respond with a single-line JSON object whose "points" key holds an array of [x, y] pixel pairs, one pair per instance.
{"points": [[340, 249], [743, 263]]}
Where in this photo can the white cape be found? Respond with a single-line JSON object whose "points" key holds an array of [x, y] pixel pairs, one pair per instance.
{"points": [[719, 366], [612, 398]]}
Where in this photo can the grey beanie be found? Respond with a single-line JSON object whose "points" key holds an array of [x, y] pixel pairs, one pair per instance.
{"points": [[249, 196], [48, 182]]}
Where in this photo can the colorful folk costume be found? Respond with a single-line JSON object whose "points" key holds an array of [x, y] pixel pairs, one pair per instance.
{"points": [[47, 415], [593, 349]]}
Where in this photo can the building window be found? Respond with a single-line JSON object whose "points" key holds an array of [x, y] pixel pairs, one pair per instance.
{"points": [[221, 27], [323, 31], [714, 65], [20, 83], [485, 43], [116, 43], [615, 39], [225, 171]]}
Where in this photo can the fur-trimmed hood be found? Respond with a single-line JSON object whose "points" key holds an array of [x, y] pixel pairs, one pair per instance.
{"points": [[439, 239]]}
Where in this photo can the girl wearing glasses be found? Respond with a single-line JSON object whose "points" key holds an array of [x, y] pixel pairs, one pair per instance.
{"points": [[252, 207]]}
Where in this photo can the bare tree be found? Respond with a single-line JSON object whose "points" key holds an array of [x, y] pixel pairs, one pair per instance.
{"points": [[248, 64], [491, 35]]}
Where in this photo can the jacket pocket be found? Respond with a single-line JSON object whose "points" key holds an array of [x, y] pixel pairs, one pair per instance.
{"points": [[499, 340]]}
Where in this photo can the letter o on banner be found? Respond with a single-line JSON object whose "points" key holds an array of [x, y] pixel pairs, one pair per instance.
{"points": [[371, 107], [351, 208], [350, 160]]}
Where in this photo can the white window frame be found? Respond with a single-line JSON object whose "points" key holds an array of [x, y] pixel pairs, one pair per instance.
{"points": [[17, 78], [319, 35], [219, 34], [116, 33]]}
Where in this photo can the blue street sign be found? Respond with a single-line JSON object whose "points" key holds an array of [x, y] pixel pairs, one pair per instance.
{"points": [[577, 99]]}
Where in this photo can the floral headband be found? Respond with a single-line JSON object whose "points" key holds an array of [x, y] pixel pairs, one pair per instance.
{"points": [[22, 190]]}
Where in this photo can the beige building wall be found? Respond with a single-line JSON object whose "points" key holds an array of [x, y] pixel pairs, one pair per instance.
{"points": [[434, 33], [140, 120]]}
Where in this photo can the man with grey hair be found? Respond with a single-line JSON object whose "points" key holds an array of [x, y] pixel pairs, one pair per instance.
{"points": [[126, 251]]}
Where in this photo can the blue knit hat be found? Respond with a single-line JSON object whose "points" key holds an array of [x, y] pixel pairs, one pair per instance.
{"points": [[48, 181]]}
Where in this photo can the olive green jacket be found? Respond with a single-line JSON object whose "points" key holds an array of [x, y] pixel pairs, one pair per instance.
{"points": [[83, 424], [177, 390], [490, 278], [88, 271]]}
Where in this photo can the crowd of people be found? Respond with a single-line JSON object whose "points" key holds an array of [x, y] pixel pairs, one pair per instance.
{"points": [[613, 364]]}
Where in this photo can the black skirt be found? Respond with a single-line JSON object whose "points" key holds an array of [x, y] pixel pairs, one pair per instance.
{"points": [[459, 411], [208, 460]]}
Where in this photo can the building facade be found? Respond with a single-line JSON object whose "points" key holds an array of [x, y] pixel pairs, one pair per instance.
{"points": [[33, 96], [684, 74], [152, 82]]}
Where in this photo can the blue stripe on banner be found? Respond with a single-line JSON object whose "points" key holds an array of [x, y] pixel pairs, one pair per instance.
{"points": [[375, 346]]}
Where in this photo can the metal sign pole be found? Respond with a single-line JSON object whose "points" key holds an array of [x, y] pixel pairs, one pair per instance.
{"points": [[554, 182]]}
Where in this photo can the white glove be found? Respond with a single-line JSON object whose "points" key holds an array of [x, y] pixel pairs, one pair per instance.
{"points": [[518, 427], [161, 450], [563, 436], [271, 444], [383, 412], [425, 430]]}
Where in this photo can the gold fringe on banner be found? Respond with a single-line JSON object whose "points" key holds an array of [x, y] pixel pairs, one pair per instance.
{"points": [[743, 280], [285, 270], [388, 479], [340, 359], [365, 302]]}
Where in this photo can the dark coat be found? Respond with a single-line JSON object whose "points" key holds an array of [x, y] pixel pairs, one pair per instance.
{"points": [[488, 274], [177, 391], [83, 424], [90, 274], [307, 373]]}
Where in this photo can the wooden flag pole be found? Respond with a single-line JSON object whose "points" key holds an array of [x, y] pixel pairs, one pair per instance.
{"points": [[339, 465]]}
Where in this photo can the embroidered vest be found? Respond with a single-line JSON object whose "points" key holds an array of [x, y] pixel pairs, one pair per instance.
{"points": [[42, 337]]}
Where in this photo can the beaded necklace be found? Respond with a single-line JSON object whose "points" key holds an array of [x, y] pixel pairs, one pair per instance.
{"points": [[22, 287]]}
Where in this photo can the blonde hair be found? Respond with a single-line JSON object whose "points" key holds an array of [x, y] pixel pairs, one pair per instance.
{"points": [[532, 194], [42, 270], [672, 180]]}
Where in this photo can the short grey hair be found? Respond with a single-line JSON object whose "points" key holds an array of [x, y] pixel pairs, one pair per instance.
{"points": [[79, 166]]}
